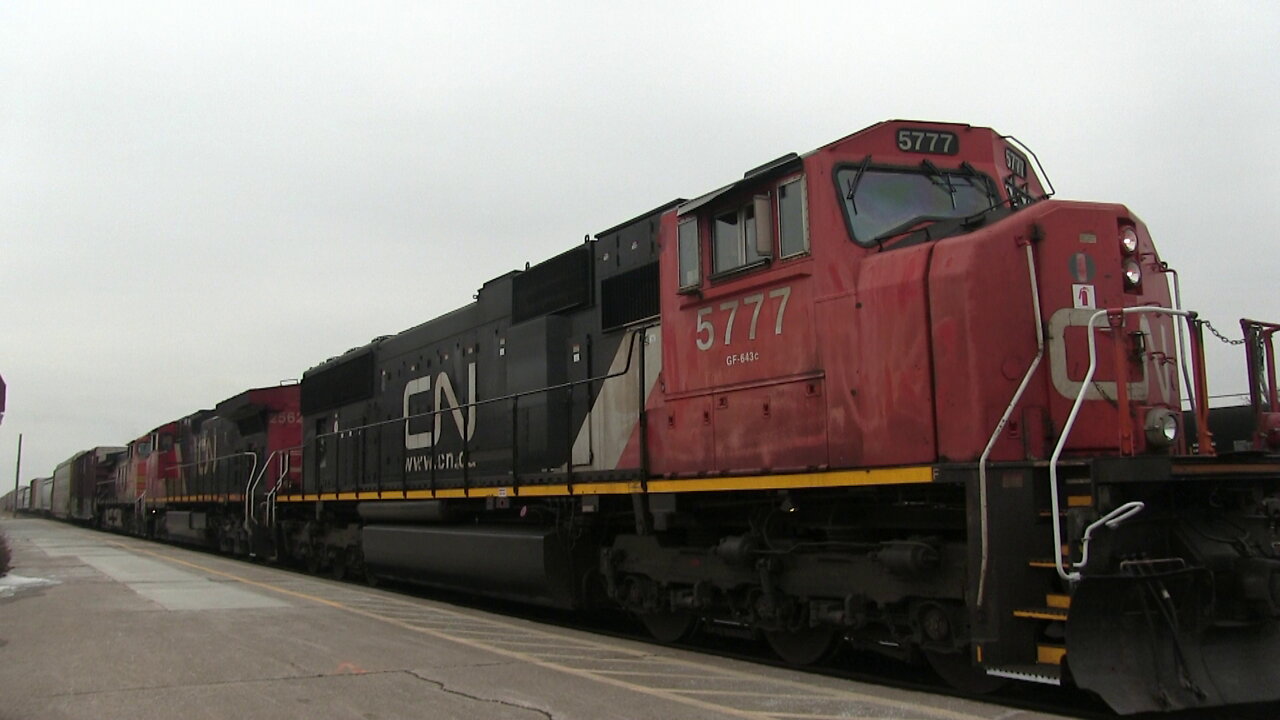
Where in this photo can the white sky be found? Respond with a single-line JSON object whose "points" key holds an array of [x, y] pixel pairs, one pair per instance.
{"points": [[199, 198]]}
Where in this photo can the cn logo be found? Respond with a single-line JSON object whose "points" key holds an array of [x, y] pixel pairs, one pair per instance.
{"points": [[444, 397], [206, 451]]}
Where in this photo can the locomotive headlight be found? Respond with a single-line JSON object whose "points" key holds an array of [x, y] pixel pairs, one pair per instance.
{"points": [[1129, 241], [1161, 427], [1132, 273]]}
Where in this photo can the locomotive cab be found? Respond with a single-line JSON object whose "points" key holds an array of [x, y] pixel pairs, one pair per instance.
{"points": [[801, 297]]}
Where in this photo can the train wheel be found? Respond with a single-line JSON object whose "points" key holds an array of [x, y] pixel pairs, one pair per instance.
{"points": [[959, 672], [338, 565], [669, 626], [803, 647], [312, 561]]}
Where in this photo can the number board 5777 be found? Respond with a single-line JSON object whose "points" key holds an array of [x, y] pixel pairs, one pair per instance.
{"points": [[931, 142]]}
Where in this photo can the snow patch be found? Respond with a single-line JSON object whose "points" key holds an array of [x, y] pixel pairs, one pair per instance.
{"points": [[11, 584]]}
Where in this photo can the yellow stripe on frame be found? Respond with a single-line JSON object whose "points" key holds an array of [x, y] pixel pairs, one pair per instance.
{"points": [[795, 481]]}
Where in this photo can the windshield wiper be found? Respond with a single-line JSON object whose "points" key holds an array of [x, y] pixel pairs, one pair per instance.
{"points": [[903, 227], [940, 179], [993, 202], [853, 184]]}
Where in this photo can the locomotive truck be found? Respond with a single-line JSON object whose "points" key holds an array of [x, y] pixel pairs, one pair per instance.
{"points": [[888, 394]]}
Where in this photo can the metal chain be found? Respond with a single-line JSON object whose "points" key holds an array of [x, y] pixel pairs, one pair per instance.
{"points": [[1222, 337], [1104, 395]]}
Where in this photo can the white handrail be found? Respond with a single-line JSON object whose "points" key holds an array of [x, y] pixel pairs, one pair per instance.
{"points": [[1181, 334], [1004, 420], [253, 469], [254, 479], [1111, 520], [139, 501], [285, 466], [1066, 431]]}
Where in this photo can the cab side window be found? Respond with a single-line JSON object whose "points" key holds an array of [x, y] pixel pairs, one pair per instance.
{"points": [[744, 234], [733, 239], [690, 268], [793, 226]]}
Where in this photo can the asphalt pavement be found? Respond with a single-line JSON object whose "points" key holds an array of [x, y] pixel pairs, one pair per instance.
{"points": [[104, 627]]}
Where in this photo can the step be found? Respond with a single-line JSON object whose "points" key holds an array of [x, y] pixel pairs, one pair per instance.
{"points": [[1073, 501], [1044, 613], [1048, 562], [1037, 673], [1049, 654], [1057, 601]]}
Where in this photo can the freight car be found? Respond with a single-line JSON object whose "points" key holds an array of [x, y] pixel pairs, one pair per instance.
{"points": [[33, 495], [40, 494], [886, 394], [76, 481], [20, 499], [15, 501], [60, 495]]}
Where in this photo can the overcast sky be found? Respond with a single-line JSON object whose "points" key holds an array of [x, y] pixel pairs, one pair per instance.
{"points": [[200, 198]]}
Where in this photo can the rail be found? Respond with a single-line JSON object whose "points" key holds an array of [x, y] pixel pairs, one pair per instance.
{"points": [[984, 512], [254, 480], [271, 505], [1113, 519], [285, 459], [202, 478], [1259, 349], [1181, 334], [285, 471]]}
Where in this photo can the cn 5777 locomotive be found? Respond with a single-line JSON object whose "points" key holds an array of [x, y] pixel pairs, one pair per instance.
{"points": [[886, 394]]}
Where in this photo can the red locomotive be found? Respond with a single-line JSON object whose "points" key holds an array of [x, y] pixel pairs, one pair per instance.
{"points": [[139, 478], [886, 394]]}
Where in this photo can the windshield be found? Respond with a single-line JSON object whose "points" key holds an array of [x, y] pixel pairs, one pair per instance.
{"points": [[879, 201]]}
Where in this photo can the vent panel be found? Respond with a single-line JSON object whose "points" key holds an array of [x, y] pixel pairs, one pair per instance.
{"points": [[629, 297], [559, 284], [346, 382]]}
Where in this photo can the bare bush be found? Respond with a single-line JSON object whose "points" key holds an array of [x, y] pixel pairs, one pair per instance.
{"points": [[4, 555]]}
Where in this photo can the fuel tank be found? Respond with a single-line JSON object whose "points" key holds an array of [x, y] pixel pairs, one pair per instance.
{"points": [[526, 564]]}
